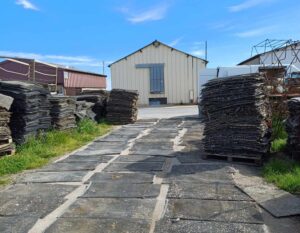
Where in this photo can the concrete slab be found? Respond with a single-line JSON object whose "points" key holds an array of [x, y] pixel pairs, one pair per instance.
{"points": [[190, 158], [199, 168], [127, 132], [212, 210], [50, 177], [280, 225], [112, 208], [137, 125], [167, 226], [122, 190], [127, 178], [200, 173], [278, 202], [108, 146], [153, 152], [134, 167], [88, 225], [32, 200], [155, 140], [100, 152], [87, 158], [160, 135], [140, 158], [116, 138], [212, 191], [152, 146], [16, 224], [74, 166], [202, 177], [148, 120]]}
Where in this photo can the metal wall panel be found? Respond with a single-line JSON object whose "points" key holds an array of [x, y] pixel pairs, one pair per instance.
{"points": [[180, 73], [80, 80], [156, 77]]}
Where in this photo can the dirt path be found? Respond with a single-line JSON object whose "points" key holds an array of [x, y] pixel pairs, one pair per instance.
{"points": [[146, 177]]}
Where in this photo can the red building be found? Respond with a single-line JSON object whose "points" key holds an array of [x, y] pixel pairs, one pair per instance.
{"points": [[60, 79]]}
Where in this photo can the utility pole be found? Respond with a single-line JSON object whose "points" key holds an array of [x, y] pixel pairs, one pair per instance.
{"points": [[206, 50], [103, 67]]}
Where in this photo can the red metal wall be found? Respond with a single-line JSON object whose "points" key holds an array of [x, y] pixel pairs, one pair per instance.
{"points": [[47, 75], [81, 80], [50, 78], [15, 67]]}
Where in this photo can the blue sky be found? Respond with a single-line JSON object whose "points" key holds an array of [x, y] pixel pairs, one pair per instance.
{"points": [[83, 33]]}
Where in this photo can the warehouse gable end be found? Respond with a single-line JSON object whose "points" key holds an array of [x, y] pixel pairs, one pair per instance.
{"points": [[161, 74], [156, 44]]}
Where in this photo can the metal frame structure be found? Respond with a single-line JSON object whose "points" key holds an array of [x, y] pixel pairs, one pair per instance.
{"points": [[277, 49]]}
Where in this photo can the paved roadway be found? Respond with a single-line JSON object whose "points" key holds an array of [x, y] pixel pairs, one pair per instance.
{"points": [[141, 178], [160, 112]]}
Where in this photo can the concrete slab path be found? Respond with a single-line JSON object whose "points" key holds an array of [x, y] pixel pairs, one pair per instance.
{"points": [[146, 177]]}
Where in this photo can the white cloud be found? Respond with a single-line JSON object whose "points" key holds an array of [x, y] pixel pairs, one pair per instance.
{"points": [[198, 52], [175, 42], [154, 14], [59, 59], [248, 4], [27, 5], [198, 48], [69, 58], [255, 32]]}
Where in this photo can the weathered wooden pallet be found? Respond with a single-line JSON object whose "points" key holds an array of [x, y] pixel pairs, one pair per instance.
{"points": [[235, 158], [6, 141], [8, 152]]}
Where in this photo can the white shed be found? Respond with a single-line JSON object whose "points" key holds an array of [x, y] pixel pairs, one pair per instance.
{"points": [[160, 73]]}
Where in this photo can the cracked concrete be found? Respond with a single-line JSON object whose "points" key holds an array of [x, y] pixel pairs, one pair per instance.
{"points": [[144, 177]]}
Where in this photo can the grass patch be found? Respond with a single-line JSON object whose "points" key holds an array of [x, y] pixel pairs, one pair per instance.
{"points": [[278, 145], [38, 151], [279, 135], [285, 174]]}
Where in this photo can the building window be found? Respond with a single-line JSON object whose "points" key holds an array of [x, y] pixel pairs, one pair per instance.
{"points": [[157, 82]]}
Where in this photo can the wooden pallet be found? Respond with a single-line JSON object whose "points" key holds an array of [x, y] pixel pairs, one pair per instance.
{"points": [[8, 152], [235, 158], [6, 141]]}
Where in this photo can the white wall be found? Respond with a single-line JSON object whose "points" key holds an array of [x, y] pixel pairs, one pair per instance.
{"points": [[286, 57], [181, 73]]}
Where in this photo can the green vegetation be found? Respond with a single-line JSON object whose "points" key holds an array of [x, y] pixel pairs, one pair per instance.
{"points": [[279, 135], [37, 152], [285, 174]]}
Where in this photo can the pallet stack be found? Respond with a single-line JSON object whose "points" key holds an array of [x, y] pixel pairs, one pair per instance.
{"points": [[30, 109], [122, 106], [6, 144], [84, 110], [99, 104], [293, 127], [62, 112], [237, 117]]}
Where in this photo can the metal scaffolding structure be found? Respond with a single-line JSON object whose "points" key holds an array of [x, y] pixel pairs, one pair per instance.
{"points": [[277, 51], [279, 60]]}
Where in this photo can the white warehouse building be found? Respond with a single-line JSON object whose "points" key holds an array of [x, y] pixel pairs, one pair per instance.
{"points": [[161, 74]]}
